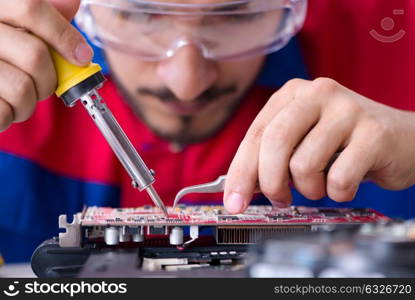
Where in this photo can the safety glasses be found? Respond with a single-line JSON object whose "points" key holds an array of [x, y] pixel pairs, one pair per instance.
{"points": [[221, 30]]}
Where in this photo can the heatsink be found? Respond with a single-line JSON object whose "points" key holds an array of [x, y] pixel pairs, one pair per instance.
{"points": [[254, 234]]}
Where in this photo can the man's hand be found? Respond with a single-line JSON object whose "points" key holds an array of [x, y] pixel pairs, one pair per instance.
{"points": [[299, 130], [27, 73]]}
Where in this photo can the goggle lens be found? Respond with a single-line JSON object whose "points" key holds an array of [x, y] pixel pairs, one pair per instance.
{"points": [[153, 33]]}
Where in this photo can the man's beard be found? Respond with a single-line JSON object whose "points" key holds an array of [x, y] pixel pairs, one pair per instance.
{"points": [[185, 135]]}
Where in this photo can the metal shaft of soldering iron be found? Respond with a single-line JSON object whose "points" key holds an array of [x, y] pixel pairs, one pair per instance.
{"points": [[142, 177]]}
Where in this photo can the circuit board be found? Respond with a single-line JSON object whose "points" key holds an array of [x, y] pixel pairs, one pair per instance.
{"points": [[184, 223], [217, 215]]}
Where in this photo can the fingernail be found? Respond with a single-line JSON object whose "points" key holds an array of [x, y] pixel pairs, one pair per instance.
{"points": [[83, 53], [235, 203]]}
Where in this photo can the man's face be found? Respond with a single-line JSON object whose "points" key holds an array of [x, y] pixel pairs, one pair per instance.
{"points": [[186, 97]]}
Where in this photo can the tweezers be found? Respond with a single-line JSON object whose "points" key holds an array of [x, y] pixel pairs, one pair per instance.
{"points": [[216, 186]]}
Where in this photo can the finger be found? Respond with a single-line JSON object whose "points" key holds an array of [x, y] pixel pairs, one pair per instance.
{"points": [[18, 89], [311, 158], [67, 8], [241, 179], [280, 138], [31, 55], [44, 20], [242, 176], [6, 115], [349, 169]]}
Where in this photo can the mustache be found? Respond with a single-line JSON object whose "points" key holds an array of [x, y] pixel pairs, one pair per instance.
{"points": [[166, 96]]}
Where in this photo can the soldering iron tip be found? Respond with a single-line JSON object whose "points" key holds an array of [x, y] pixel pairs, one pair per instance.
{"points": [[156, 199]]}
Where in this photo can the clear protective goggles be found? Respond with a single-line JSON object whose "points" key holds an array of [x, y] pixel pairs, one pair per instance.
{"points": [[220, 29]]}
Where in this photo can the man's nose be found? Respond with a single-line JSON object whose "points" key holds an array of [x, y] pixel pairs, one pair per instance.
{"points": [[188, 73]]}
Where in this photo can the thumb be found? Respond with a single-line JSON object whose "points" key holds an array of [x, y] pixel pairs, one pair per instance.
{"points": [[67, 8]]}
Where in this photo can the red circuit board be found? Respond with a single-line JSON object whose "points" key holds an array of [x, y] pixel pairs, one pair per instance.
{"points": [[217, 215]]}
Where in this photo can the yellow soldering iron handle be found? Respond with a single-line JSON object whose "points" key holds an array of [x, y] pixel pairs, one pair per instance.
{"points": [[70, 77]]}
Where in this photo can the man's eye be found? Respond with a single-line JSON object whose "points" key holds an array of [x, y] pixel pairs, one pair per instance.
{"points": [[137, 17], [244, 17]]}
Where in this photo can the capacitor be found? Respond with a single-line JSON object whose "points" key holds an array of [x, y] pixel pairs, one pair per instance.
{"points": [[138, 234], [124, 235], [111, 235], [176, 236]]}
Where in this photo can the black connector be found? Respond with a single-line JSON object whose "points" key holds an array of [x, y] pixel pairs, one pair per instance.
{"points": [[76, 92]]}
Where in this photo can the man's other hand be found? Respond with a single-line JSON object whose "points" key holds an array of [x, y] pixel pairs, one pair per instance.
{"points": [[298, 132]]}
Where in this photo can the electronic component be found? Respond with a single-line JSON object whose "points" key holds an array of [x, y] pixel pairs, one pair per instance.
{"points": [[183, 224], [111, 235], [176, 236], [379, 249]]}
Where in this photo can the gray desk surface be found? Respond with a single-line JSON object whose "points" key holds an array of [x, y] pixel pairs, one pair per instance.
{"points": [[16, 270]]}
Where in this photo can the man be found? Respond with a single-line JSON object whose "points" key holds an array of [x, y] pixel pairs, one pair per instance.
{"points": [[182, 86]]}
